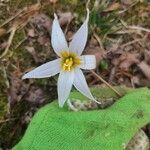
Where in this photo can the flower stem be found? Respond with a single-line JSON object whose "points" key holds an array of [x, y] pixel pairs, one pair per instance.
{"points": [[101, 79]]}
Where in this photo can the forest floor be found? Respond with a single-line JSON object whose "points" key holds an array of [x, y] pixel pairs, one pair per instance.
{"points": [[119, 37]]}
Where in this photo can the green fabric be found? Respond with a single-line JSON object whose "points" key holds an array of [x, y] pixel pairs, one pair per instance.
{"points": [[54, 128]]}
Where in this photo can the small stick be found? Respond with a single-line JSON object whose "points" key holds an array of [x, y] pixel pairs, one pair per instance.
{"points": [[20, 43], [7, 120], [98, 40], [132, 5], [101, 79], [139, 28], [9, 42], [130, 43], [12, 18], [5, 76]]}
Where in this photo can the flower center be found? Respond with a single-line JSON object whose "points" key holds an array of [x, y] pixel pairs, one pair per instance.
{"points": [[68, 64], [69, 60]]}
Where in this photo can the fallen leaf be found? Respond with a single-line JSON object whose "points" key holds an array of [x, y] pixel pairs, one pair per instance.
{"points": [[145, 82], [145, 68], [65, 18], [35, 95], [26, 15], [127, 2], [43, 40], [3, 46], [53, 1], [2, 32], [17, 89], [31, 33], [41, 21], [125, 61], [135, 80], [112, 7], [69, 36], [32, 51], [147, 56]]}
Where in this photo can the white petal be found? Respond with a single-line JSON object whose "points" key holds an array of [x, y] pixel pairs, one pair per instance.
{"points": [[65, 82], [79, 40], [46, 70], [58, 40], [88, 62], [81, 84]]}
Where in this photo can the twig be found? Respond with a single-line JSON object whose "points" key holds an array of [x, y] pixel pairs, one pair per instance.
{"points": [[139, 28], [20, 42], [98, 40], [5, 76], [129, 31], [112, 74], [11, 119], [132, 5], [9, 42], [12, 18], [130, 43], [101, 79]]}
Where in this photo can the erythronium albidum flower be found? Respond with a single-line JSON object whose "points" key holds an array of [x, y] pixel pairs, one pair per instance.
{"points": [[69, 63]]}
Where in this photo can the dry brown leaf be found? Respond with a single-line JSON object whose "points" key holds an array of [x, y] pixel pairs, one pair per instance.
{"points": [[17, 89], [35, 95], [145, 82], [3, 46], [127, 2], [2, 31], [19, 22], [135, 80], [31, 33], [93, 41], [43, 40], [112, 7], [65, 18], [26, 15], [53, 1], [147, 56], [145, 68], [32, 51], [42, 21], [69, 36], [126, 60]]}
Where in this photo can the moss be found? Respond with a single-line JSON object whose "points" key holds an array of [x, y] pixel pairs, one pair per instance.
{"points": [[3, 97], [3, 106], [13, 128]]}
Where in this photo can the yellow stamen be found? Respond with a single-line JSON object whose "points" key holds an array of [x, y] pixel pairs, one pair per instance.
{"points": [[69, 60], [67, 64]]}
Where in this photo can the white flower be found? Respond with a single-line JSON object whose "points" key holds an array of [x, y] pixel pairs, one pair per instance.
{"points": [[69, 63]]}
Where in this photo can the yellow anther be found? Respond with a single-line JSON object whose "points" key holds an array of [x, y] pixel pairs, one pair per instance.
{"points": [[67, 65], [69, 60]]}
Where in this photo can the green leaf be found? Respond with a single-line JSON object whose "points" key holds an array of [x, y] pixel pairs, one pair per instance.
{"points": [[104, 64], [54, 128]]}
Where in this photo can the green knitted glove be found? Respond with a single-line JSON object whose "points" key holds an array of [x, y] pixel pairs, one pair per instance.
{"points": [[54, 128]]}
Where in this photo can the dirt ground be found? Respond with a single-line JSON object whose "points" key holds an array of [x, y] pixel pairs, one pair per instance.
{"points": [[119, 37]]}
